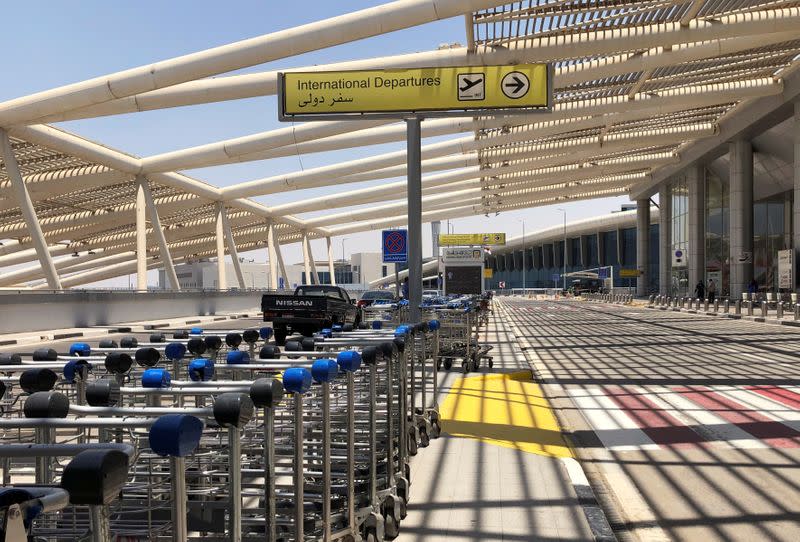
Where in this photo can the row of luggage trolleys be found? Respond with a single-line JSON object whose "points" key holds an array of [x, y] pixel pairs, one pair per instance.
{"points": [[460, 322], [217, 436]]}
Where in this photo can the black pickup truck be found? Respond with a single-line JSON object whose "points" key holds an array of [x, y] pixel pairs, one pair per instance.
{"points": [[308, 310]]}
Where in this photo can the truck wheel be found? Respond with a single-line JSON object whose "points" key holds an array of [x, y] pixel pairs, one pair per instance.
{"points": [[280, 337]]}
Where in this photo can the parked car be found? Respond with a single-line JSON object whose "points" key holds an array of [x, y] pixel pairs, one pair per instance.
{"points": [[308, 310], [431, 294], [370, 296]]}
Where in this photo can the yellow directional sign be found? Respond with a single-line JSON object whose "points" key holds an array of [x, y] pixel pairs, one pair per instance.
{"points": [[628, 273], [488, 273], [468, 239], [411, 90]]}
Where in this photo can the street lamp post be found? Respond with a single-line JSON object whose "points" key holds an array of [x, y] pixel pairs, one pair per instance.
{"points": [[523, 257], [564, 254]]}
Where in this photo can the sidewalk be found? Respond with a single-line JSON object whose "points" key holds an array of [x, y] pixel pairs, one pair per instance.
{"points": [[94, 332], [490, 489]]}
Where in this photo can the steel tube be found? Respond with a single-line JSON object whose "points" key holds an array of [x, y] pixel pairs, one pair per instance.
{"points": [[414, 167]]}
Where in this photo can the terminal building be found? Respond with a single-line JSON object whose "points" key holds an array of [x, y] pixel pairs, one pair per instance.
{"points": [[725, 217]]}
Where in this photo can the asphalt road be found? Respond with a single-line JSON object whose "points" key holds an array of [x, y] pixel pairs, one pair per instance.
{"points": [[688, 424]]}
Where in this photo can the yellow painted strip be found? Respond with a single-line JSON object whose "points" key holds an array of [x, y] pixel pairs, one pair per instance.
{"points": [[504, 409]]}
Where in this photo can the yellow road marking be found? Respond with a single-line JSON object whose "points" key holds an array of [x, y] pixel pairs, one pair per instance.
{"points": [[504, 409]]}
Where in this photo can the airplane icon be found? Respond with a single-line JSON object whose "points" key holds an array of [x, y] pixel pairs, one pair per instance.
{"points": [[469, 84]]}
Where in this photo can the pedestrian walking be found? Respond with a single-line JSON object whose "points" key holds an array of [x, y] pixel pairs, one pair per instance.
{"points": [[700, 290], [712, 290], [404, 288]]}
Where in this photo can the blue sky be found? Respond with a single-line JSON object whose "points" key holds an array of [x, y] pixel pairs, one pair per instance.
{"points": [[55, 43]]}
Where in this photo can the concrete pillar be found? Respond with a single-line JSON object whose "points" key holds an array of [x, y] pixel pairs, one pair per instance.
{"points": [[601, 249], [281, 265], [28, 212], [306, 262], [141, 239], [665, 239], [436, 227], [330, 261], [741, 216], [796, 202], [314, 274], [222, 281], [547, 256], [696, 184], [158, 231], [273, 257], [570, 259], [642, 245], [232, 250], [584, 240]]}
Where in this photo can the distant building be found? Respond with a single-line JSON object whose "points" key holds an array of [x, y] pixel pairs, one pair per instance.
{"points": [[355, 274], [202, 274]]}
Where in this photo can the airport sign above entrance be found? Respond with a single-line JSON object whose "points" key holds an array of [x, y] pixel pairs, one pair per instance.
{"points": [[395, 93]]}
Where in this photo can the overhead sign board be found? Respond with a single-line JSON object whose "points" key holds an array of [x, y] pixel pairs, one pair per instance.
{"points": [[469, 256], [468, 239], [395, 246], [629, 273], [442, 91]]}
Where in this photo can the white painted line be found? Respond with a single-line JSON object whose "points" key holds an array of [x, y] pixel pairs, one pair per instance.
{"points": [[615, 429], [763, 405], [710, 426]]}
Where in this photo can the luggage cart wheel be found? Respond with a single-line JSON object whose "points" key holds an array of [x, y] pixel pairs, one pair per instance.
{"points": [[424, 439], [436, 429], [391, 527], [412, 445]]}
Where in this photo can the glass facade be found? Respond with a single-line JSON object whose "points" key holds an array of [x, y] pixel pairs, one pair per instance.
{"points": [[541, 276], [771, 233], [680, 238], [717, 233], [610, 248]]}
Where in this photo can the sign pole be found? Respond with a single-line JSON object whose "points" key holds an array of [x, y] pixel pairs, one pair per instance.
{"points": [[414, 189]]}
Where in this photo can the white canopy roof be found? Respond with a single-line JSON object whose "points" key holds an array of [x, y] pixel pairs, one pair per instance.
{"points": [[642, 88]]}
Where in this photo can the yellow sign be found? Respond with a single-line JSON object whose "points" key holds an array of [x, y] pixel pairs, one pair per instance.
{"points": [[628, 273], [414, 89], [488, 273], [468, 239]]}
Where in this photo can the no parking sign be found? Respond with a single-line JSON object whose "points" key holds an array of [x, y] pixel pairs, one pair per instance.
{"points": [[395, 246]]}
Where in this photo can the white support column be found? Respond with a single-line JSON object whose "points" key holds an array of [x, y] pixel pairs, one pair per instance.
{"points": [[155, 222], [696, 184], [796, 203], [306, 264], [231, 242], [28, 212], [281, 265], [141, 239], [330, 261], [314, 273], [741, 216], [222, 282], [665, 239], [273, 258], [643, 246]]}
